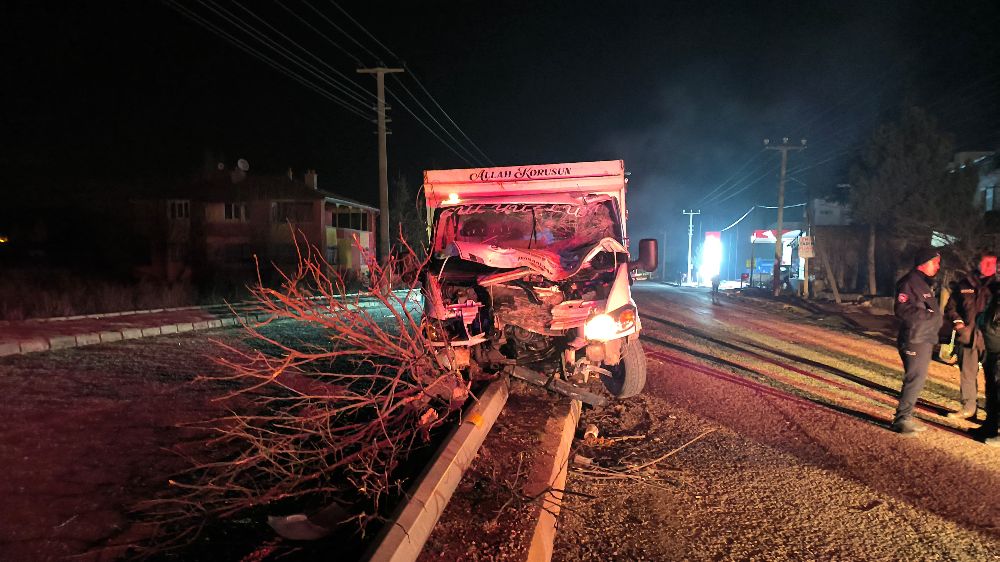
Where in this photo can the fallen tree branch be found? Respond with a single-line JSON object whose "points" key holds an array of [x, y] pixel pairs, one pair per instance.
{"points": [[669, 454]]}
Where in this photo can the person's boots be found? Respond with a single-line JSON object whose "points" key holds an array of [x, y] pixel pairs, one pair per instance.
{"points": [[908, 426], [967, 413]]}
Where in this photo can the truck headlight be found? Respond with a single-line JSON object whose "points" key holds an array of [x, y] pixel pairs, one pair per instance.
{"points": [[601, 328]]}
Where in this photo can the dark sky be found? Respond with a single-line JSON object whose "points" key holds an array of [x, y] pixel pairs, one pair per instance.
{"points": [[126, 92]]}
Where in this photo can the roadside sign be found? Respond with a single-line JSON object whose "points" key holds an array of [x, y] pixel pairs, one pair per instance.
{"points": [[806, 247], [744, 276]]}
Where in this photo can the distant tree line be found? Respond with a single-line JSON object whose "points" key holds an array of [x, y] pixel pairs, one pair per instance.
{"points": [[902, 186]]}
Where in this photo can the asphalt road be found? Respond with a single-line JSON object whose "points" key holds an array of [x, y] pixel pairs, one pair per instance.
{"points": [[791, 458]]}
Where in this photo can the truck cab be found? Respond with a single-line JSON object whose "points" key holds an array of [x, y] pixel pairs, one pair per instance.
{"points": [[530, 274]]}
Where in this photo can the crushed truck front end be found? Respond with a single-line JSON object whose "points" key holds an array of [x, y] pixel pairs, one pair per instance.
{"points": [[530, 274]]}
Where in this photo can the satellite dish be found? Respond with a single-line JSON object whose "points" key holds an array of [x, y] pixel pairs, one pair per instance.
{"points": [[243, 164], [220, 166]]}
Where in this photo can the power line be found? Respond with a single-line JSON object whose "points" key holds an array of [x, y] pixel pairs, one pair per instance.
{"points": [[739, 220], [341, 30], [415, 99], [276, 47], [740, 185], [784, 207], [741, 168], [445, 113], [320, 33], [431, 131], [301, 62], [373, 38], [443, 129], [745, 187], [191, 15]]}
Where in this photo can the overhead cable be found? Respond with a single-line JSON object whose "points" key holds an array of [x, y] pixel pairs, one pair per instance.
{"points": [[785, 207], [750, 210], [372, 37], [445, 113], [723, 184], [186, 12], [280, 49], [320, 33], [431, 131], [341, 30], [429, 114]]}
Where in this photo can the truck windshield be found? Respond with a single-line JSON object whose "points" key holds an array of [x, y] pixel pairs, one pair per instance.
{"points": [[553, 227]]}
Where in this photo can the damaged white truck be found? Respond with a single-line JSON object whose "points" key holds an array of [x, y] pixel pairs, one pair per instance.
{"points": [[530, 275]]}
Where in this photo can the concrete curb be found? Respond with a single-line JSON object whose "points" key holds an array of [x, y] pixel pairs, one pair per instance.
{"points": [[360, 298], [404, 536], [549, 480], [91, 335]]}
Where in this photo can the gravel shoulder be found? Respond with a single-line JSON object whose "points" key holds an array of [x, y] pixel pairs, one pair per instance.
{"points": [[788, 470]]}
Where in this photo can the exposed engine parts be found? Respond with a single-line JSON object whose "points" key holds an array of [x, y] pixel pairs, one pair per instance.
{"points": [[530, 276]]}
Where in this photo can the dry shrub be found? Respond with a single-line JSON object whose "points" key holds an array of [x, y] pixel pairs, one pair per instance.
{"points": [[49, 292], [322, 422]]}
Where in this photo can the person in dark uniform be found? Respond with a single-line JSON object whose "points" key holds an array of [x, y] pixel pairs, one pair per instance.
{"points": [[921, 319], [969, 297], [716, 279], [990, 325]]}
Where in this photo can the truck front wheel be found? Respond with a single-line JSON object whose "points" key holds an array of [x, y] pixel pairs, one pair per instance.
{"points": [[628, 377]]}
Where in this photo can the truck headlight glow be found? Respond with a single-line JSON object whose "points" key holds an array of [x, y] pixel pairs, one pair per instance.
{"points": [[601, 328]]}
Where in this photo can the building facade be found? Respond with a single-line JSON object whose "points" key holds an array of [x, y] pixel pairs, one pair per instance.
{"points": [[225, 224]]}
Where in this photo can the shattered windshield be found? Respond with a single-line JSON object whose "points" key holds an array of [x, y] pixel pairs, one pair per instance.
{"points": [[556, 228]]}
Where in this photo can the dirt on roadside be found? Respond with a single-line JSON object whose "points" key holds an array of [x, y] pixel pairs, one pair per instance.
{"points": [[88, 435], [489, 517], [787, 460]]}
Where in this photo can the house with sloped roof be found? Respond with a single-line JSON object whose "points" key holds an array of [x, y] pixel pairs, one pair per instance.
{"points": [[222, 224]]}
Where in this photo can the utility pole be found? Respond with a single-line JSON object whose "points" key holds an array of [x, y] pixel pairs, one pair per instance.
{"points": [[784, 147], [805, 261], [383, 165], [690, 215]]}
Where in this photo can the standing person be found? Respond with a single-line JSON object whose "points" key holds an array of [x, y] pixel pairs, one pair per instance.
{"points": [[969, 298], [921, 319], [991, 364], [715, 288]]}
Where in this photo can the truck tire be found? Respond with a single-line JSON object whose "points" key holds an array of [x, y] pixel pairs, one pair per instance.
{"points": [[629, 376]]}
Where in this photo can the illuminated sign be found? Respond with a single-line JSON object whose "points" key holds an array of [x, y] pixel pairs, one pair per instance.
{"points": [[767, 236]]}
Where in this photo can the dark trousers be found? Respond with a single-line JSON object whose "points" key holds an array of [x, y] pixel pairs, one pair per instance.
{"points": [[968, 360], [991, 364], [916, 360]]}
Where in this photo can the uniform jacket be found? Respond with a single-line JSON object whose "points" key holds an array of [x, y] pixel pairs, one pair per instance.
{"points": [[969, 298], [990, 322], [918, 309]]}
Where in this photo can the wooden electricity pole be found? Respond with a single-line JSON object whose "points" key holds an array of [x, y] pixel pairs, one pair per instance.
{"points": [[383, 165], [784, 147]]}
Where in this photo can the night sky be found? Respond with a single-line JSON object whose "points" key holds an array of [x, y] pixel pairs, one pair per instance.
{"points": [[110, 97]]}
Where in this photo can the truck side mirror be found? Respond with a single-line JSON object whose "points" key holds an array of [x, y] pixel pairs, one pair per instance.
{"points": [[648, 254]]}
